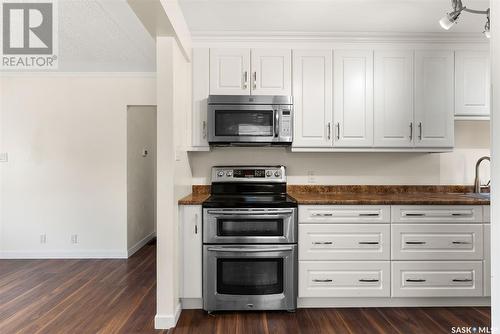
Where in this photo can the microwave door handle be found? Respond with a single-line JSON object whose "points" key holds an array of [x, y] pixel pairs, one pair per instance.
{"points": [[276, 123]]}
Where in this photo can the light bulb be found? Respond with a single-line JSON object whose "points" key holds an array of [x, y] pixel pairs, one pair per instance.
{"points": [[446, 22]]}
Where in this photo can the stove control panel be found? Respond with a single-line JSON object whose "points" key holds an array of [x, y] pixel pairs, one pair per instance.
{"points": [[248, 174]]}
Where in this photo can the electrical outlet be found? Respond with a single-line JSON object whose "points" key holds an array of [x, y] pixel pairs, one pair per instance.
{"points": [[4, 157], [74, 239], [43, 238], [311, 178]]}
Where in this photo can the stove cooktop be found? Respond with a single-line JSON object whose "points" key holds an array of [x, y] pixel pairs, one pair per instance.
{"points": [[247, 201]]}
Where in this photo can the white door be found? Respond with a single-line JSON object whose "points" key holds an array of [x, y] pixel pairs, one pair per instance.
{"points": [[271, 72], [353, 98], [472, 83], [201, 88], [312, 92], [229, 71], [191, 264], [434, 118], [393, 101]]}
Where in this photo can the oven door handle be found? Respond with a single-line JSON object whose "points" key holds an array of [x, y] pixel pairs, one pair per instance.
{"points": [[250, 213], [249, 250]]}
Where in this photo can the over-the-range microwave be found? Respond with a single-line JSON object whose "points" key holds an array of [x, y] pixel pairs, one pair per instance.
{"points": [[244, 120]]}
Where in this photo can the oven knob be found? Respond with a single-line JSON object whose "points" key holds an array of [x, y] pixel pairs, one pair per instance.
{"points": [[220, 173], [269, 173], [229, 173], [277, 173]]}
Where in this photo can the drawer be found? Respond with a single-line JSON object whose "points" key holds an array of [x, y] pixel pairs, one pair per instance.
{"points": [[487, 260], [344, 214], [487, 214], [437, 214], [437, 242], [344, 241], [437, 279], [344, 279]]}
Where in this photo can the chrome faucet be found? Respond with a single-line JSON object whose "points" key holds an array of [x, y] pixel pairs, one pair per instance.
{"points": [[477, 184]]}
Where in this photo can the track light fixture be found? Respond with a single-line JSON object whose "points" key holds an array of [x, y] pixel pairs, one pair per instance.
{"points": [[451, 18]]}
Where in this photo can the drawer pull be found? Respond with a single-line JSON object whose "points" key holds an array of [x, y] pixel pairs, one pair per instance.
{"points": [[409, 280], [322, 280], [368, 243], [322, 243], [369, 214], [323, 215], [461, 280], [461, 214], [461, 242], [414, 214], [415, 242], [365, 280]]}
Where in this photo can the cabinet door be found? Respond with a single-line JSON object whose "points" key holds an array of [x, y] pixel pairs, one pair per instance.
{"points": [[312, 92], [353, 98], [434, 98], [393, 101], [191, 251], [271, 72], [487, 260], [229, 71], [201, 88], [472, 83]]}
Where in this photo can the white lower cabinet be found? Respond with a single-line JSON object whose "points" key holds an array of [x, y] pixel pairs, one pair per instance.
{"points": [[344, 242], [487, 259], [437, 278], [191, 251], [437, 241], [344, 279]]}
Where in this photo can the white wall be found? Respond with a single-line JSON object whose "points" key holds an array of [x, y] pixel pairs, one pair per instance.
{"points": [[457, 167], [66, 139], [141, 176]]}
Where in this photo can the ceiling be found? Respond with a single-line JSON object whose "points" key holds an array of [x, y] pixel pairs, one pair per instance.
{"points": [[394, 16]]}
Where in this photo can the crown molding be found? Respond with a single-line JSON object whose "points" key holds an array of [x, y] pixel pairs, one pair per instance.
{"points": [[338, 37]]}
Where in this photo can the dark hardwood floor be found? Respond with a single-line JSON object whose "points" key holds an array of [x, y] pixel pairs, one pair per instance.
{"points": [[119, 296]]}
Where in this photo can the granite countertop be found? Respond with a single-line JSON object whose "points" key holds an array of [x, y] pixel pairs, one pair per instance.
{"points": [[365, 195]]}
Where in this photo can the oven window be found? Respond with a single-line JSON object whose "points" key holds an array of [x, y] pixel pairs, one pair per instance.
{"points": [[244, 123], [250, 228], [260, 276]]}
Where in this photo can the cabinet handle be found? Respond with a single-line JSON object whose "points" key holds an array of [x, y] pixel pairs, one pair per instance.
{"points": [[461, 214], [204, 129], [368, 243], [416, 280], [329, 127], [366, 280], [420, 130], [196, 224], [411, 131], [369, 214], [338, 131], [461, 280], [245, 80], [461, 242], [322, 280], [415, 242], [323, 243], [322, 214], [255, 80], [414, 214]]}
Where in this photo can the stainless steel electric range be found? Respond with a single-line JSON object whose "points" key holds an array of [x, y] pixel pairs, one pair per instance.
{"points": [[249, 241]]}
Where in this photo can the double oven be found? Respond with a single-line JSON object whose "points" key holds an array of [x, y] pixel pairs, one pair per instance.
{"points": [[249, 241]]}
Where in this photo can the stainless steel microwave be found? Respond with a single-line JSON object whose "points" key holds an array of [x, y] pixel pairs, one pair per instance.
{"points": [[250, 120]]}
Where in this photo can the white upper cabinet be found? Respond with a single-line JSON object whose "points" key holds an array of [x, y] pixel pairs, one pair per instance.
{"points": [[201, 75], [312, 92], [472, 83], [353, 98], [255, 71], [434, 98], [393, 102], [271, 72], [229, 71]]}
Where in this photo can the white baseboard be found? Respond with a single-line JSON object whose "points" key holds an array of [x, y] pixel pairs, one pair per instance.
{"points": [[64, 254], [140, 244], [166, 321], [393, 302]]}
